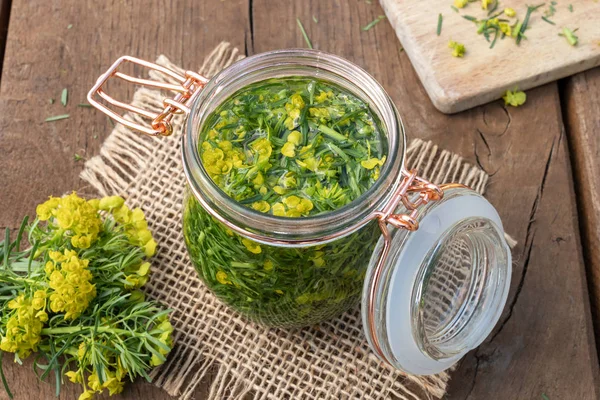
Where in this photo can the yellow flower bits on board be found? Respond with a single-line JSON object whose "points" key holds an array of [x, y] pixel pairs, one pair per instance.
{"points": [[514, 98], [510, 12], [458, 49]]}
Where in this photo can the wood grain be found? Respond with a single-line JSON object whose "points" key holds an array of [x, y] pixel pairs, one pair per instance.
{"points": [[484, 74], [544, 342], [42, 57], [581, 104]]}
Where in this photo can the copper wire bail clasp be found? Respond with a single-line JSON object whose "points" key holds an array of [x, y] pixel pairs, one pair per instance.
{"points": [[413, 193], [187, 88]]}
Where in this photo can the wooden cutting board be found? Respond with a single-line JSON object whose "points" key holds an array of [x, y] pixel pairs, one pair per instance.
{"points": [[484, 74]]}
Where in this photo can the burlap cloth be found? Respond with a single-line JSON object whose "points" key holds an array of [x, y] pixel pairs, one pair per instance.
{"points": [[329, 361]]}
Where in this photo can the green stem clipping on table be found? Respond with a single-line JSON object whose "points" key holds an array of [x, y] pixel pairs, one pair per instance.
{"points": [[73, 296]]}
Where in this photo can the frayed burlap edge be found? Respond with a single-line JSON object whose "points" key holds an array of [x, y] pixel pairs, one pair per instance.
{"points": [[128, 161]]}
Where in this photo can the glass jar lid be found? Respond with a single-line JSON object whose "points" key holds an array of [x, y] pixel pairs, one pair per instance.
{"points": [[441, 288]]}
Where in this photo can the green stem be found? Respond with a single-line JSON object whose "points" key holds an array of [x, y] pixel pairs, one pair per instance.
{"points": [[78, 329], [332, 134]]}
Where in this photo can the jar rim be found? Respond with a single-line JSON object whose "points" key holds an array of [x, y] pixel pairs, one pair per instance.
{"points": [[297, 232]]}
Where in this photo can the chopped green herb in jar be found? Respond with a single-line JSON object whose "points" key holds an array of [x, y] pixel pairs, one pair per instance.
{"points": [[278, 286], [293, 147], [289, 147]]}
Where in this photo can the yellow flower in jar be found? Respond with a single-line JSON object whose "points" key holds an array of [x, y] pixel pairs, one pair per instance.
{"points": [[279, 190], [288, 150], [258, 180], [251, 246], [268, 265], [261, 206], [322, 113], [263, 148], [372, 163], [214, 161], [225, 145], [310, 163], [294, 137], [323, 96], [278, 210], [222, 278], [289, 180], [293, 109], [297, 206]]}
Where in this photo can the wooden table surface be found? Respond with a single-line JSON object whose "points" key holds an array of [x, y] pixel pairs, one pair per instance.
{"points": [[543, 158]]}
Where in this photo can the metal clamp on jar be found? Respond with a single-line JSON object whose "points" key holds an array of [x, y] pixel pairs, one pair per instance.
{"points": [[439, 268]]}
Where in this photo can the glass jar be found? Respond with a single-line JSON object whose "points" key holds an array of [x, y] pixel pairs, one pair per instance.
{"points": [[430, 263]]}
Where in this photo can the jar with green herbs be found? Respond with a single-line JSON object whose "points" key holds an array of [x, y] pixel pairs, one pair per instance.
{"points": [[289, 147], [298, 207]]}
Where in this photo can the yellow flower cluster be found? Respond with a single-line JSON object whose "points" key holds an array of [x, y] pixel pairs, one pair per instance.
{"points": [[220, 160], [293, 207], [294, 108], [252, 247], [73, 214], [71, 282], [164, 331], [133, 221], [25, 325], [113, 381], [323, 96], [139, 278], [458, 49], [495, 23]]}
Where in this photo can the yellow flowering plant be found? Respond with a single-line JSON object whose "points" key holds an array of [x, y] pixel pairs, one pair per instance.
{"points": [[73, 296]]}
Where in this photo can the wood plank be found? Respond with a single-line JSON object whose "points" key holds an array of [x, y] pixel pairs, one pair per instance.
{"points": [[43, 56], [581, 104], [484, 74], [544, 343]]}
